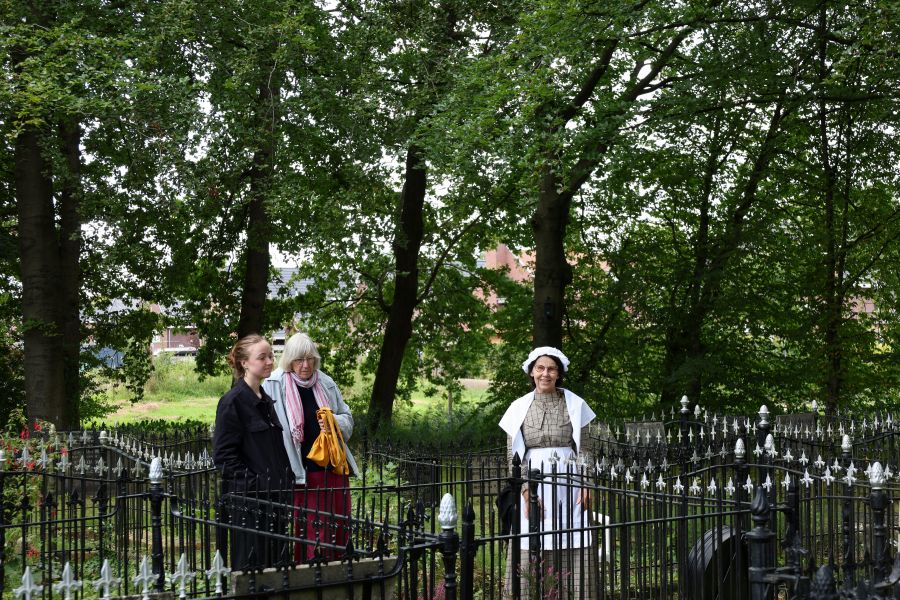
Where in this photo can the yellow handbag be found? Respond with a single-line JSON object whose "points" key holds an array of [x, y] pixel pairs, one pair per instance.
{"points": [[328, 449]]}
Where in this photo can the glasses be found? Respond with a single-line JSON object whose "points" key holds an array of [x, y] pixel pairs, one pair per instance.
{"points": [[305, 359], [541, 369]]}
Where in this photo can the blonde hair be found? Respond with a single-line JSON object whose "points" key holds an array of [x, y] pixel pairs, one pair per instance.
{"points": [[299, 345], [241, 352]]}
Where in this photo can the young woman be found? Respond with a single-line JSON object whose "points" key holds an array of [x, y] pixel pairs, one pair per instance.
{"points": [[248, 450]]}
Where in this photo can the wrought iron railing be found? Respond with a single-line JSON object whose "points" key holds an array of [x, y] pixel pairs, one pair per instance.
{"points": [[699, 506]]}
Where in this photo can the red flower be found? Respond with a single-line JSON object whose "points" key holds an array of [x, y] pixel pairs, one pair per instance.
{"points": [[64, 451], [37, 425]]}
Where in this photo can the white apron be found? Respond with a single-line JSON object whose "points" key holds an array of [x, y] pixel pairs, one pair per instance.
{"points": [[560, 512]]}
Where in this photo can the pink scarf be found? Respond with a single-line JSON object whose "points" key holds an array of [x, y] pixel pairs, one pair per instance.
{"points": [[293, 404]]}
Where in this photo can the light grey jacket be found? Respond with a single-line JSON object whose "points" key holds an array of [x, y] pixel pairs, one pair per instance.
{"points": [[275, 388]]}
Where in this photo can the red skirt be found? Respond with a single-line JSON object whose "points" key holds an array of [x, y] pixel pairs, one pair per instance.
{"points": [[322, 515]]}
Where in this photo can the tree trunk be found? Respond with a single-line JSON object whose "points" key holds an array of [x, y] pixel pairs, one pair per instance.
{"points": [[257, 260], [70, 269], [398, 331], [552, 273], [256, 268], [49, 260], [833, 293], [40, 267], [833, 299], [684, 343]]}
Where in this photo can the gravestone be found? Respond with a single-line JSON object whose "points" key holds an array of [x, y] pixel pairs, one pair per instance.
{"points": [[717, 567]]}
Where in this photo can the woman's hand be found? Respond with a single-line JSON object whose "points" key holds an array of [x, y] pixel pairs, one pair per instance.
{"points": [[323, 425], [584, 498], [527, 496]]}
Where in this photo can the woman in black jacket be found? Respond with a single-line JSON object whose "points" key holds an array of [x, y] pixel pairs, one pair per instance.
{"points": [[249, 451]]}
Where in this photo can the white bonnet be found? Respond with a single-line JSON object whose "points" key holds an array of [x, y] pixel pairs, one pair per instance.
{"points": [[545, 351]]}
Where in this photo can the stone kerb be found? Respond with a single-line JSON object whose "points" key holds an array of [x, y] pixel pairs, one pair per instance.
{"points": [[327, 582]]}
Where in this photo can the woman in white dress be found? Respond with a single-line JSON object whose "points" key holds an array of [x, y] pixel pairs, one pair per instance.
{"points": [[547, 428]]}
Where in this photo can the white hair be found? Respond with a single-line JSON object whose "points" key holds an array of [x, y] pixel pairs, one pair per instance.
{"points": [[299, 345]]}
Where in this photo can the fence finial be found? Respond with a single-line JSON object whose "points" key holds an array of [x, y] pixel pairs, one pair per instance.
{"points": [[876, 476], [156, 470], [739, 450], [28, 588], [769, 446], [144, 578], [846, 444], [823, 584], [447, 513], [218, 570], [67, 583], [106, 580], [182, 576]]}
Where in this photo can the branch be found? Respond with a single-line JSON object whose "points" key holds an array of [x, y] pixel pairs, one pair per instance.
{"points": [[590, 84], [379, 288]]}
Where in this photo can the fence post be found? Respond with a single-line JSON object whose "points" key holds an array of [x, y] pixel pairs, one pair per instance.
{"points": [[449, 544], [767, 461], [740, 521], [879, 502], [515, 542], [2, 522], [849, 565], [467, 553], [156, 498], [792, 542], [759, 538], [535, 562]]}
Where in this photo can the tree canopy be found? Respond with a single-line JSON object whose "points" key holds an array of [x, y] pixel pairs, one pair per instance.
{"points": [[705, 194]]}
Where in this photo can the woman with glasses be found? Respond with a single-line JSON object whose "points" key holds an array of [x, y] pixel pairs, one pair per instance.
{"points": [[547, 429], [321, 495]]}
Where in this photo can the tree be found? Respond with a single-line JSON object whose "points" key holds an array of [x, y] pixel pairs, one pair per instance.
{"points": [[851, 216], [270, 77], [700, 291], [715, 263], [403, 93], [79, 75]]}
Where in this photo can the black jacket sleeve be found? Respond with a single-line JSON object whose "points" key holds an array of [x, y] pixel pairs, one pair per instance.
{"points": [[228, 440]]}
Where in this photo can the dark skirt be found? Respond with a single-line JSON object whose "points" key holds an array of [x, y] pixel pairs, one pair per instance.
{"points": [[252, 515], [322, 515]]}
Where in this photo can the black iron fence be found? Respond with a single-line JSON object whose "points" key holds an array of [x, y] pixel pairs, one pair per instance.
{"points": [[696, 506]]}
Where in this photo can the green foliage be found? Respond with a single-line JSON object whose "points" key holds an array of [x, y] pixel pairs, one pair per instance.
{"points": [[729, 215], [12, 392]]}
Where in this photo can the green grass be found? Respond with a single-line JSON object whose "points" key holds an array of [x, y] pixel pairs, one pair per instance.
{"points": [[175, 392]]}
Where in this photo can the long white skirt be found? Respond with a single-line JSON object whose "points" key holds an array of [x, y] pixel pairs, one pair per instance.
{"points": [[563, 521]]}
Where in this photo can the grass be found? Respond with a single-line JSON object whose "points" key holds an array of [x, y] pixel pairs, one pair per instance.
{"points": [[175, 392]]}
